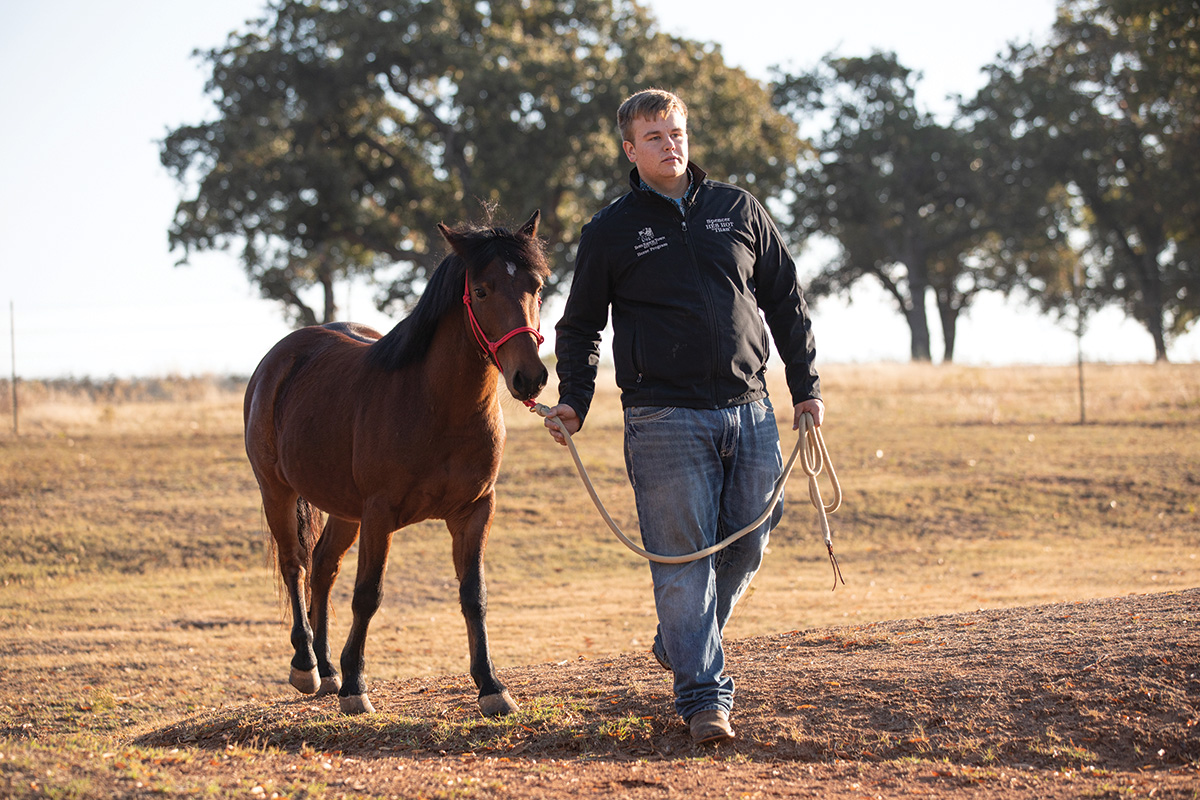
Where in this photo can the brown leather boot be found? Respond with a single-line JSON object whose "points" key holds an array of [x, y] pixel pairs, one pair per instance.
{"points": [[710, 726]]}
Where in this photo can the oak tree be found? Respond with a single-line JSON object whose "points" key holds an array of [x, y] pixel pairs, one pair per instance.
{"points": [[345, 131], [1098, 133], [898, 190]]}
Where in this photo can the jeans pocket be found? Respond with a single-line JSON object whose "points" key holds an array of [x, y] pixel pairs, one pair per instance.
{"points": [[763, 408], [642, 414]]}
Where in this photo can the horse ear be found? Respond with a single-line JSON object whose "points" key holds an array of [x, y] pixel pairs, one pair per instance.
{"points": [[530, 226], [450, 236]]}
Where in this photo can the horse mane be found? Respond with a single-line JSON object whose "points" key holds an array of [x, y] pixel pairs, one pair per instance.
{"points": [[409, 341]]}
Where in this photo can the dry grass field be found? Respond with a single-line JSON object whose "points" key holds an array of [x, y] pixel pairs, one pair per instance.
{"points": [[145, 647]]}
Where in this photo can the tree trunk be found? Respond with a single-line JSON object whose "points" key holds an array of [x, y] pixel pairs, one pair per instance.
{"points": [[1149, 309], [912, 306], [1160, 341], [1152, 295], [918, 324], [949, 316], [325, 272]]}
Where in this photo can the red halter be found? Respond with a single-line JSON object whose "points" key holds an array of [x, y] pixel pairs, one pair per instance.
{"points": [[490, 347]]}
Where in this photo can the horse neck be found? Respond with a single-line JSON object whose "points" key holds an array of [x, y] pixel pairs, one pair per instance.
{"points": [[458, 377]]}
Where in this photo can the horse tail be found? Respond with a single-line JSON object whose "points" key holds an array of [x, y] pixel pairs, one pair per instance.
{"points": [[308, 531]]}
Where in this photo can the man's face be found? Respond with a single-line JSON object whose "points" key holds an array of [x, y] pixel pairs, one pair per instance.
{"points": [[659, 148]]}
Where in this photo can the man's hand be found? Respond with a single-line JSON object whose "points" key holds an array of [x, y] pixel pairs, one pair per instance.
{"points": [[570, 420], [814, 407]]}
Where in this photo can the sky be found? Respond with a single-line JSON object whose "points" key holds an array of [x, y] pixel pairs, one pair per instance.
{"points": [[90, 289]]}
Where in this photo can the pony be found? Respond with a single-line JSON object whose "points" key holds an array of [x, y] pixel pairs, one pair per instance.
{"points": [[380, 432]]}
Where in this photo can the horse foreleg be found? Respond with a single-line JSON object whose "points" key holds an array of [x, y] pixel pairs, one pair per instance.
{"points": [[336, 539], [469, 535], [373, 546]]}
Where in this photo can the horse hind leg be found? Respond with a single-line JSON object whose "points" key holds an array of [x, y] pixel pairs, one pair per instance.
{"points": [[336, 539], [292, 521]]}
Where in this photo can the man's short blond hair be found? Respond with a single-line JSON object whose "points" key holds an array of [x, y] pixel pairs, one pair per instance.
{"points": [[647, 104]]}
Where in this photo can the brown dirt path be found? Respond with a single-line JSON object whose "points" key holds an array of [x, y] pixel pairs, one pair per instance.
{"points": [[1097, 698]]}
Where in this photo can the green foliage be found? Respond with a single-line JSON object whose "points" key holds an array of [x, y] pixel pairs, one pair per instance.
{"points": [[345, 132], [1072, 175], [1099, 132], [899, 191]]}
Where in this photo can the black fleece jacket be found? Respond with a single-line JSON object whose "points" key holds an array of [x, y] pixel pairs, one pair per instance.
{"points": [[685, 292]]}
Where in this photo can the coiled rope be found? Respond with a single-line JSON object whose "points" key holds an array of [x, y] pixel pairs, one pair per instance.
{"points": [[814, 457]]}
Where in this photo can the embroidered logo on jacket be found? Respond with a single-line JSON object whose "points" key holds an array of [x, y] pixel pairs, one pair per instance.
{"points": [[647, 242], [720, 225]]}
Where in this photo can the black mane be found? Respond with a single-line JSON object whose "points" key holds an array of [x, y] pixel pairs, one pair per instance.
{"points": [[409, 341]]}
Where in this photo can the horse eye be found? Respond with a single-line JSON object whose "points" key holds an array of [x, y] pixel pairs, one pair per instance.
{"points": [[480, 292]]}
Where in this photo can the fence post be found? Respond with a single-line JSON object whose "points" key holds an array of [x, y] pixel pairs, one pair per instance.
{"points": [[12, 329], [1078, 281]]}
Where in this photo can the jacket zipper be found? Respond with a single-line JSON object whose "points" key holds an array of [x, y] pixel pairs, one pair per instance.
{"points": [[714, 344]]}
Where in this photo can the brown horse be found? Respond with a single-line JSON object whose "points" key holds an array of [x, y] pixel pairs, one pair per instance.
{"points": [[381, 432]]}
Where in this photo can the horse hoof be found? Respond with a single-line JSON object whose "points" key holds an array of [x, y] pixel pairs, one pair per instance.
{"points": [[497, 705], [305, 681], [356, 704], [329, 686]]}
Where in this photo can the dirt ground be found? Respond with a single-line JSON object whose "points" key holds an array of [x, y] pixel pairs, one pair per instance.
{"points": [[145, 654], [1097, 698]]}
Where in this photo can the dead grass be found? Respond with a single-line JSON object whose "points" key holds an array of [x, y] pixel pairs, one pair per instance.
{"points": [[945, 509], [136, 589]]}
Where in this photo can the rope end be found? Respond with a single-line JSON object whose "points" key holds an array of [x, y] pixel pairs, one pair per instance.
{"points": [[837, 570]]}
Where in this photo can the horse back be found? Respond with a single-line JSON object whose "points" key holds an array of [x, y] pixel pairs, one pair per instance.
{"points": [[355, 330], [290, 363]]}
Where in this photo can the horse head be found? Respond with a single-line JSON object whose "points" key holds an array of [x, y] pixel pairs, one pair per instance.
{"points": [[504, 275]]}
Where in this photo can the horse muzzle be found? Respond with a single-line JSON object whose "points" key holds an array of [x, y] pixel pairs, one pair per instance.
{"points": [[526, 384]]}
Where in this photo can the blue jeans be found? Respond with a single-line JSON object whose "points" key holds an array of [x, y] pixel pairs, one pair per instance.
{"points": [[698, 476]]}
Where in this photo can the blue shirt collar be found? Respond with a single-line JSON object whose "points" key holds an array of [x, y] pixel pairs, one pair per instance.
{"points": [[678, 203]]}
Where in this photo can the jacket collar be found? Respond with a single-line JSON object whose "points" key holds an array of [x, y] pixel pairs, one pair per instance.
{"points": [[698, 177]]}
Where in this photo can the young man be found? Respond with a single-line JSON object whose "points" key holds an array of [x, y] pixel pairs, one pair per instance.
{"points": [[686, 264]]}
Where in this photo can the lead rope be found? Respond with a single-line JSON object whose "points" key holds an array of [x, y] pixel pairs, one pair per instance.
{"points": [[810, 444]]}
